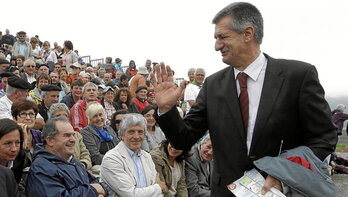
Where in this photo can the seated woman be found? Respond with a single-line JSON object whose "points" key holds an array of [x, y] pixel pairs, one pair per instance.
{"points": [[170, 165], [123, 100], [80, 151], [12, 155], [154, 135], [107, 102], [24, 113], [97, 136]]}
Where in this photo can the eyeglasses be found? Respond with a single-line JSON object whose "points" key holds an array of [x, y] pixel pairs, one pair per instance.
{"points": [[10, 144], [24, 114]]}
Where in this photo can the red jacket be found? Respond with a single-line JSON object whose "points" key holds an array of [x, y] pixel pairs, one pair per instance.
{"points": [[141, 105], [78, 116]]}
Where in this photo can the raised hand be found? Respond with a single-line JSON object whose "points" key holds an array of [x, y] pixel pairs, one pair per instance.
{"points": [[166, 92]]}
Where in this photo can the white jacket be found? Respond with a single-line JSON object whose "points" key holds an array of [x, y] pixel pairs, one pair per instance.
{"points": [[118, 171]]}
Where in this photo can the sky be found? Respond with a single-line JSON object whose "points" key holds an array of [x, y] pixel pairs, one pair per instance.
{"points": [[180, 33]]}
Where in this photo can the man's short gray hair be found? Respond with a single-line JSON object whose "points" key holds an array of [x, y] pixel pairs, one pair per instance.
{"points": [[200, 69], [191, 70], [341, 107], [51, 129], [10, 90], [28, 61], [243, 15], [130, 120], [89, 84], [204, 139], [58, 107]]}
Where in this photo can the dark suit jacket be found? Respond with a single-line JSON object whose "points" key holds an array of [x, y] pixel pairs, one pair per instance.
{"points": [[292, 110], [198, 178]]}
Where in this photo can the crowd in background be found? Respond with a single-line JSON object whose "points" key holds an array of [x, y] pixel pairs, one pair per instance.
{"points": [[46, 88]]}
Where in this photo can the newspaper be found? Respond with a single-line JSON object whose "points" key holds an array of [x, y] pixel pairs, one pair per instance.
{"points": [[250, 185]]}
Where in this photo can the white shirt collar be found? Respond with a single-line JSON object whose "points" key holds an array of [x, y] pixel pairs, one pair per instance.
{"points": [[254, 69], [10, 164]]}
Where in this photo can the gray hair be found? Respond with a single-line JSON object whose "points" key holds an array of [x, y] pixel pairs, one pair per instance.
{"points": [[200, 69], [132, 119], [341, 107], [89, 84], [26, 62], [58, 107], [191, 70], [243, 15], [10, 90], [51, 129], [204, 139], [93, 108], [43, 93]]}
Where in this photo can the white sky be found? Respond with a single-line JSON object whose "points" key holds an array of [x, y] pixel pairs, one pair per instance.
{"points": [[180, 32]]}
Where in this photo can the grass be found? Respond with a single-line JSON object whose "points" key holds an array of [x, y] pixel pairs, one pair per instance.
{"points": [[342, 147]]}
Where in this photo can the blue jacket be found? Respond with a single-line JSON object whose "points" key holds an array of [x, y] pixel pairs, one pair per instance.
{"points": [[51, 175]]}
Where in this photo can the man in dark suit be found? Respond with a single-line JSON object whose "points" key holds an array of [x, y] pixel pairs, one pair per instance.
{"points": [[285, 107]]}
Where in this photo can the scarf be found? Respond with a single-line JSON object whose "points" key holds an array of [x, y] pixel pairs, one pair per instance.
{"points": [[197, 84], [104, 136]]}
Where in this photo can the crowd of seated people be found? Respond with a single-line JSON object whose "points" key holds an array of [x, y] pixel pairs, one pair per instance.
{"points": [[68, 128]]}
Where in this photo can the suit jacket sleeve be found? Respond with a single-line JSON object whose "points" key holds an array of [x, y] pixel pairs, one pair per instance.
{"points": [[314, 115], [184, 133]]}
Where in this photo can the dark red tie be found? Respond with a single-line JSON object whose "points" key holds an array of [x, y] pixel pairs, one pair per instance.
{"points": [[244, 99]]}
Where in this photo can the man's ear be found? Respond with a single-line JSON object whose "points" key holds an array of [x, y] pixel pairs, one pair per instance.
{"points": [[249, 34], [49, 141]]}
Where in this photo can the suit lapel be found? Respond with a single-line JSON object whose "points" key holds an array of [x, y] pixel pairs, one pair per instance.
{"points": [[128, 160], [228, 83], [270, 91]]}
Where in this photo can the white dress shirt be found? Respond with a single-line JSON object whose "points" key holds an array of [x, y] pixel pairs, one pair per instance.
{"points": [[256, 75]]}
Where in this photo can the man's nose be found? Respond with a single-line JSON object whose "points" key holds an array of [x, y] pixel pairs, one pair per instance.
{"points": [[218, 45]]}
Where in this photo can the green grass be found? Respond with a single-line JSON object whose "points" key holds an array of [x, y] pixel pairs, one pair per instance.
{"points": [[342, 147]]}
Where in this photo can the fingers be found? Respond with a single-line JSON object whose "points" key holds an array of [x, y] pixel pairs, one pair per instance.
{"points": [[163, 72], [158, 73], [153, 80], [271, 182]]}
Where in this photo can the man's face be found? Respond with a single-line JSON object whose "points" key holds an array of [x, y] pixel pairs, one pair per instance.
{"points": [[76, 91], [148, 63], [63, 142], [30, 68], [199, 76], [191, 75], [22, 94], [51, 98], [61, 113], [98, 120], [86, 78], [142, 94], [90, 94], [21, 37], [230, 43], [42, 82], [133, 137], [3, 67], [206, 151], [57, 68], [101, 73], [75, 70], [109, 96], [107, 77], [43, 69], [54, 78], [7, 32]]}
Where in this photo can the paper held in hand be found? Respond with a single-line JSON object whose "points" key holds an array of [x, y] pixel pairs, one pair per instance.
{"points": [[250, 185]]}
